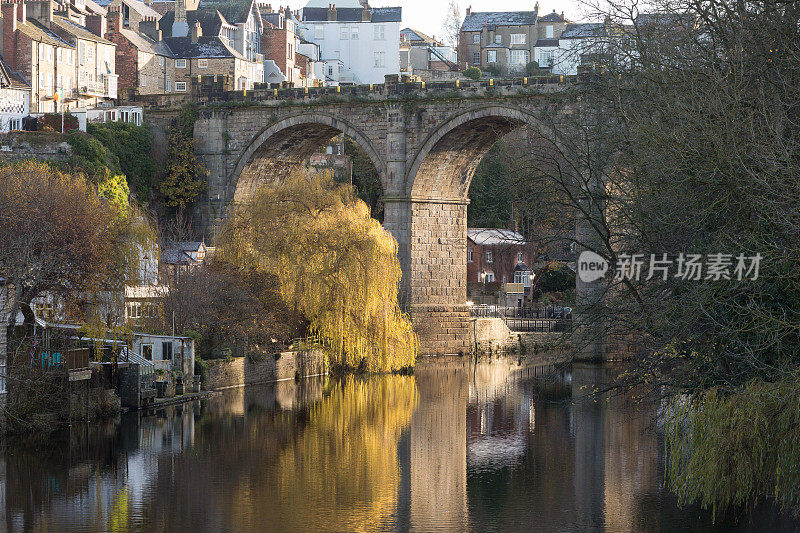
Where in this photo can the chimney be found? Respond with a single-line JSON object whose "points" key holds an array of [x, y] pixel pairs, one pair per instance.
{"points": [[366, 14], [332, 15], [149, 27], [96, 24], [114, 20], [469, 10], [197, 31], [180, 28], [9, 12], [22, 13]]}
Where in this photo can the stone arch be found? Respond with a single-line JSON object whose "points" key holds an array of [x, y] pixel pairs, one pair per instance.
{"points": [[280, 147], [445, 163]]}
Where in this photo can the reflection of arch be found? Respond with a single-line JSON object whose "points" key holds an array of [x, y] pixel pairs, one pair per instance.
{"points": [[444, 166], [281, 146]]}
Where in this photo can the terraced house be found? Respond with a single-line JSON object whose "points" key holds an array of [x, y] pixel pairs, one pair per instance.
{"points": [[40, 56], [215, 38]]}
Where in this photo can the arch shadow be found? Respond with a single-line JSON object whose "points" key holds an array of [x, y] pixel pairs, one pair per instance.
{"points": [[280, 147]]}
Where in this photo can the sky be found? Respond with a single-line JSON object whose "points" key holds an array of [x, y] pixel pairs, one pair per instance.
{"points": [[427, 15]]}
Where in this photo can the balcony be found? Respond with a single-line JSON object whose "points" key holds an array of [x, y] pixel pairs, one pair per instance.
{"points": [[105, 87]]}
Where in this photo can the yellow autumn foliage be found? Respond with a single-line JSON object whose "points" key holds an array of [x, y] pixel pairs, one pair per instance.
{"points": [[335, 264]]}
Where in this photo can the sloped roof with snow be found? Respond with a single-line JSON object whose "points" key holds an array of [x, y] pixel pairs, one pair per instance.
{"points": [[477, 21], [494, 236]]}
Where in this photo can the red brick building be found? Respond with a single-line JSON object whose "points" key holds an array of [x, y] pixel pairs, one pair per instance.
{"points": [[496, 257]]}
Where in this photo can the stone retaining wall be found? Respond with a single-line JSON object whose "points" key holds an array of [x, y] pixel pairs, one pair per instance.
{"points": [[221, 374]]}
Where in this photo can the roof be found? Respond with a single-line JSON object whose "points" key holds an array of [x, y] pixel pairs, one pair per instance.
{"points": [[142, 8], [37, 32], [545, 43], [146, 44], [419, 36], [553, 17], [494, 236], [234, 11], [583, 30], [354, 14], [211, 22], [96, 7], [77, 30], [477, 21], [11, 79], [339, 3], [205, 48], [178, 253]]}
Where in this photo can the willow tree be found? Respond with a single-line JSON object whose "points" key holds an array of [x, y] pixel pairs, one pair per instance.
{"points": [[334, 263]]}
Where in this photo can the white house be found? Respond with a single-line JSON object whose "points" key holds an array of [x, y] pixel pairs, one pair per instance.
{"points": [[166, 352], [15, 99], [365, 39], [576, 42]]}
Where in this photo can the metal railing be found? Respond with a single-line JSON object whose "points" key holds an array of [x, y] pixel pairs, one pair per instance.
{"points": [[538, 325]]}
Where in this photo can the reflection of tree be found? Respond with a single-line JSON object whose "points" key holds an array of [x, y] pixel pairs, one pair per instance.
{"points": [[342, 469]]}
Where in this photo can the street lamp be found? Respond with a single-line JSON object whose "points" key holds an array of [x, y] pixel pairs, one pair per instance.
{"points": [[483, 287]]}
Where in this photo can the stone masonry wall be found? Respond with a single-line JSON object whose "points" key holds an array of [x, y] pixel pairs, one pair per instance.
{"points": [[242, 371]]}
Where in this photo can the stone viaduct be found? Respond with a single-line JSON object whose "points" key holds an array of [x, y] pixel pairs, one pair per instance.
{"points": [[425, 142]]}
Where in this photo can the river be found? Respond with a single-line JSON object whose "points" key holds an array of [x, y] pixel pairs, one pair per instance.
{"points": [[488, 447]]}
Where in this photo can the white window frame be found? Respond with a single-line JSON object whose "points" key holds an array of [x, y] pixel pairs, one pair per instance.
{"points": [[518, 38], [520, 257], [160, 61], [202, 63], [519, 54], [491, 56], [319, 31], [490, 277], [469, 254], [489, 256], [476, 58], [354, 33], [168, 86], [344, 33], [180, 63], [498, 39], [476, 38], [380, 32], [549, 32], [380, 59], [180, 86]]}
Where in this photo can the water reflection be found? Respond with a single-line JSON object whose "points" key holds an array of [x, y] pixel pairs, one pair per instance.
{"points": [[487, 447]]}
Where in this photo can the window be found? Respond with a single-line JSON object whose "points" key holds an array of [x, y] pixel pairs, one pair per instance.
{"points": [[489, 258], [519, 57], [476, 38], [166, 351], [147, 351], [380, 32], [160, 61], [202, 63], [498, 39], [289, 54], [90, 53], [59, 82], [517, 38], [58, 55], [490, 277], [476, 58], [144, 80], [520, 258], [469, 254], [491, 56], [380, 59], [330, 71], [546, 58], [319, 31], [168, 86], [345, 33], [180, 63], [354, 33], [180, 86], [82, 52], [549, 31]]}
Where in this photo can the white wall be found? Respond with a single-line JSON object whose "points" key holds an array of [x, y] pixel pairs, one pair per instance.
{"points": [[358, 55]]}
